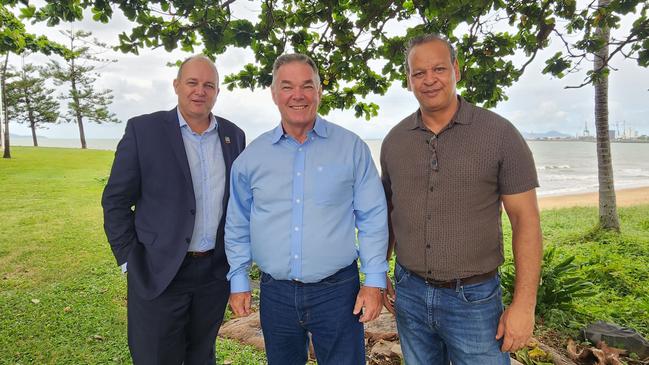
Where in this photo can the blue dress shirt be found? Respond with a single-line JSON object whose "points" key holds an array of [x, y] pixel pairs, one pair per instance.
{"points": [[207, 167], [294, 208]]}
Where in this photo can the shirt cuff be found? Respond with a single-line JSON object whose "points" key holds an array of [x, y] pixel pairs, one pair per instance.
{"points": [[123, 267], [375, 280], [239, 283]]}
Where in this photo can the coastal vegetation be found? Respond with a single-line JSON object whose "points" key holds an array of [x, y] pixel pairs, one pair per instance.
{"points": [[62, 297]]}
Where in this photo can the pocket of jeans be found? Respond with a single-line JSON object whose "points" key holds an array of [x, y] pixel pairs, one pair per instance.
{"points": [[399, 273], [482, 292], [265, 278], [339, 279]]}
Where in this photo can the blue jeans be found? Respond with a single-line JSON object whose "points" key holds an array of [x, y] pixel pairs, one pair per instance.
{"points": [[438, 325], [290, 310]]}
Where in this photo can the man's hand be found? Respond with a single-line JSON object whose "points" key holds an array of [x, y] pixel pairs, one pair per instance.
{"points": [[515, 327], [240, 303], [389, 296], [371, 301]]}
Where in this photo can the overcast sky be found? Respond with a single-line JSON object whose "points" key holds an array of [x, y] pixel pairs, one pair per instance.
{"points": [[537, 103]]}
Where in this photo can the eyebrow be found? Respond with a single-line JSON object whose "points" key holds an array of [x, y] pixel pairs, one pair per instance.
{"points": [[305, 82]]}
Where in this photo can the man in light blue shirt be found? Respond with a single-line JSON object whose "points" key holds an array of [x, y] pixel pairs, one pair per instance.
{"points": [[298, 194]]}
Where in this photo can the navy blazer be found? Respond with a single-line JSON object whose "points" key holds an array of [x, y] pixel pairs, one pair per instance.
{"points": [[149, 204]]}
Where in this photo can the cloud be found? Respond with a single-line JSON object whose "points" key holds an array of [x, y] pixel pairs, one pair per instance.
{"points": [[142, 84]]}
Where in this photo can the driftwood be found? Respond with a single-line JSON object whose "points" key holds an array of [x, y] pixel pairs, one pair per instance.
{"points": [[601, 355]]}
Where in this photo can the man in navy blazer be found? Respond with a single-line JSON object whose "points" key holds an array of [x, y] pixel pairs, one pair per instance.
{"points": [[164, 213]]}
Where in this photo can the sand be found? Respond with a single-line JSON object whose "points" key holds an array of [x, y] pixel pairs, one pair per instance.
{"points": [[625, 197]]}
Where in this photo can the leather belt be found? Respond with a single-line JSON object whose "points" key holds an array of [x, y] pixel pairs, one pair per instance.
{"points": [[452, 284], [200, 254]]}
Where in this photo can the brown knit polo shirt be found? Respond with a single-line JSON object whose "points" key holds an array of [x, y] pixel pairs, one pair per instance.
{"points": [[444, 190]]}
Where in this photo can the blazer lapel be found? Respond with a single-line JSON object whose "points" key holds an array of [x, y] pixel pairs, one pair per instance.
{"points": [[227, 143], [172, 128]]}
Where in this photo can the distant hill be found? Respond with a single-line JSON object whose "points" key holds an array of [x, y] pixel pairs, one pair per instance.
{"points": [[545, 135]]}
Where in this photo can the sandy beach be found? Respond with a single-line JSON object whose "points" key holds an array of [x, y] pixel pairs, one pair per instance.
{"points": [[625, 197]]}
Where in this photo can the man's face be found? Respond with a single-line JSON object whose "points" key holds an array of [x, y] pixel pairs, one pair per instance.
{"points": [[432, 76], [296, 94], [197, 89]]}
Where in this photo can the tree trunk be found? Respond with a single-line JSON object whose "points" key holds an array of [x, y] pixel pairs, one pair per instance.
{"points": [[608, 218], [3, 78], [76, 102], [32, 124], [82, 135]]}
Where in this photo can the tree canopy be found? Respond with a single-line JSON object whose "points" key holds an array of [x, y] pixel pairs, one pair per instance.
{"points": [[354, 42]]}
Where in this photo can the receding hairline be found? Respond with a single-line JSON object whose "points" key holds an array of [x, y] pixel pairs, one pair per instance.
{"points": [[425, 39], [289, 58], [197, 57]]}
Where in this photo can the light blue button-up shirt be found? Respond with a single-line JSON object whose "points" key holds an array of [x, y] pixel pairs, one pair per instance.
{"points": [[294, 208], [207, 167]]}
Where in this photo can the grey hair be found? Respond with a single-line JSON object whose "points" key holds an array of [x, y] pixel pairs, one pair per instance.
{"points": [[295, 57], [201, 57], [426, 38]]}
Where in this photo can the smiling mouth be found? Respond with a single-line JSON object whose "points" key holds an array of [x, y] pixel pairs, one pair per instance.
{"points": [[298, 107]]}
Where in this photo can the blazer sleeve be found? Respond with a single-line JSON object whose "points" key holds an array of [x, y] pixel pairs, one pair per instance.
{"points": [[120, 195]]}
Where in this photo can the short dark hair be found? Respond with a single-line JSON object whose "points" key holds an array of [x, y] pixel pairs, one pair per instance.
{"points": [[201, 57], [295, 57], [425, 38]]}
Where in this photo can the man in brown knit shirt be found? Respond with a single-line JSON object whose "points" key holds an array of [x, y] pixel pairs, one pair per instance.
{"points": [[447, 169]]}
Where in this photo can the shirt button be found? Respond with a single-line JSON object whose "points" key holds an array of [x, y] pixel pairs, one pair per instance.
{"points": [[427, 246], [429, 217], [299, 149], [297, 201], [296, 229], [299, 174], [192, 211], [296, 256], [431, 188], [188, 240], [429, 272]]}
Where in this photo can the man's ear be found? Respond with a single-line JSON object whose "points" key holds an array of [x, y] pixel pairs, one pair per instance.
{"points": [[456, 69]]}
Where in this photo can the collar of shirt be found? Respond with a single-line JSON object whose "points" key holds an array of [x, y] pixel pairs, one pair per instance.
{"points": [[183, 123], [461, 116], [319, 128]]}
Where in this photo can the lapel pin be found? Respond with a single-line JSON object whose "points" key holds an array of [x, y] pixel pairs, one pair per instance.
{"points": [[227, 139]]}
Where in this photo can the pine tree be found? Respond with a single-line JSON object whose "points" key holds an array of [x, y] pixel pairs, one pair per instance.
{"points": [[29, 101], [79, 71]]}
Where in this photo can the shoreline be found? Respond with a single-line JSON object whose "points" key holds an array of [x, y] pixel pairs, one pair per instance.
{"points": [[624, 197]]}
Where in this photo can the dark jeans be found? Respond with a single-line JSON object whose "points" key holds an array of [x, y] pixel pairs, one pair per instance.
{"points": [[180, 325], [290, 310], [438, 325]]}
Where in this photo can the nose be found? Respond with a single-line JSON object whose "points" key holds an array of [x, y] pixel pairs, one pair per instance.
{"points": [[429, 78], [298, 93]]}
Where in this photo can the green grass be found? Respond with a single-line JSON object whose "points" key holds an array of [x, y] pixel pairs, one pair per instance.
{"points": [[62, 298], [616, 263]]}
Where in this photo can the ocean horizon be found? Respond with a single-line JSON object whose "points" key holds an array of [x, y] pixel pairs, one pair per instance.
{"points": [[563, 167]]}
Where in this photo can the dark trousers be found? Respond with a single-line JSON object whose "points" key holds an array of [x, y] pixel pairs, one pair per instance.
{"points": [[290, 310], [180, 325]]}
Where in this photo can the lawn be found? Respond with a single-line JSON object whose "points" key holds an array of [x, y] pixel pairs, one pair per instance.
{"points": [[62, 297]]}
